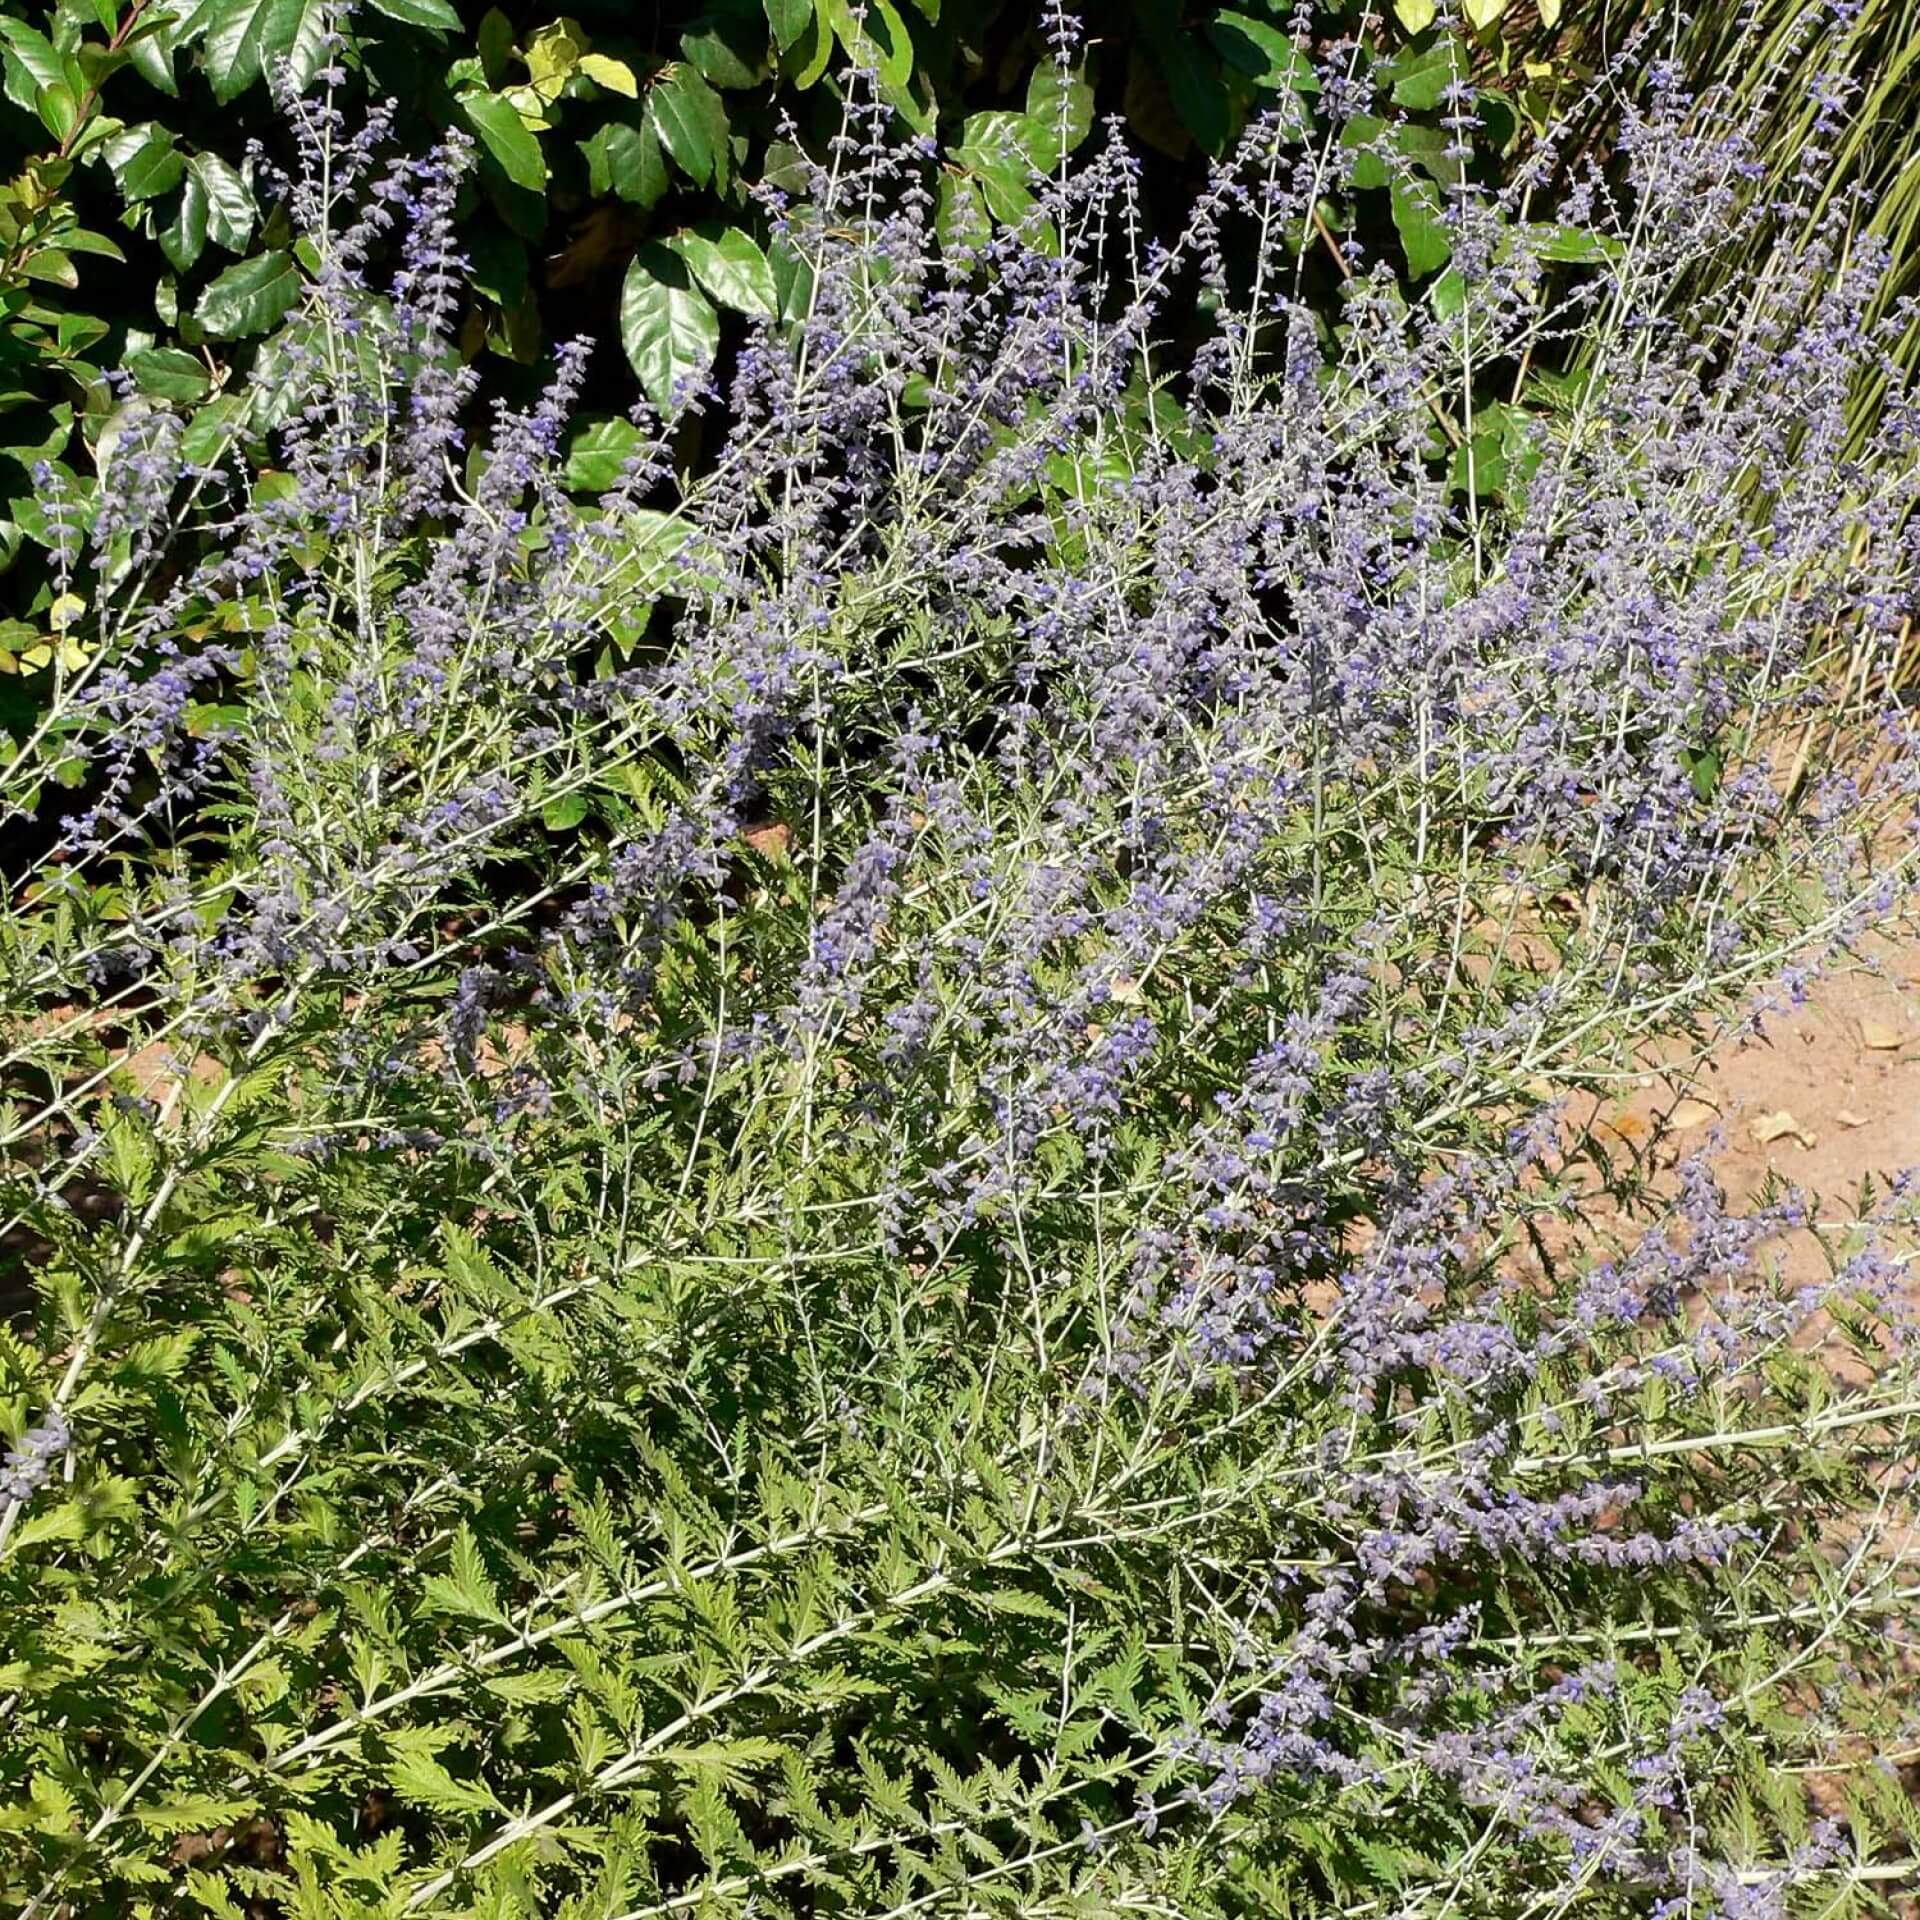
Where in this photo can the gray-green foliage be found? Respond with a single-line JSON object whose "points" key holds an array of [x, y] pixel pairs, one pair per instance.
{"points": [[794, 1192]]}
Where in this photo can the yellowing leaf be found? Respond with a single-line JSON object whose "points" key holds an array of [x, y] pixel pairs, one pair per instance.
{"points": [[1481, 14], [73, 656], [1415, 15], [615, 75], [65, 611]]}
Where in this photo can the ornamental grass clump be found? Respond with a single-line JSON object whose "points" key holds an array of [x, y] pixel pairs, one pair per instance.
{"points": [[826, 1183]]}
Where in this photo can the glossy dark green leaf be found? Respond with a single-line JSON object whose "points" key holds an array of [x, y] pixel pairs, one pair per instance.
{"points": [[84, 240], [243, 38], [58, 108], [787, 20], [730, 266], [494, 42], [151, 52], [879, 43], [667, 326], [729, 43], [166, 373], [1262, 52], [808, 58], [250, 297], [31, 63], [626, 160], [692, 123], [230, 210], [792, 276], [52, 266], [184, 237], [506, 137]]}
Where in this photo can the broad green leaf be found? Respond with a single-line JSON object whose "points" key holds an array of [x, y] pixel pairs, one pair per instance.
{"points": [[692, 123], [627, 161], [1263, 53], [506, 137], [1417, 220], [1416, 16], [251, 297], [1429, 148], [244, 38], [493, 39], [58, 108], [168, 373], [729, 43], [34, 63], [730, 266], [1481, 14], [564, 812], [879, 43], [84, 240], [597, 452], [793, 276], [1420, 75], [1060, 110], [229, 201], [1480, 467], [436, 15], [1361, 136], [184, 237], [152, 54], [802, 64], [787, 20], [52, 266], [996, 148], [668, 328], [146, 164]]}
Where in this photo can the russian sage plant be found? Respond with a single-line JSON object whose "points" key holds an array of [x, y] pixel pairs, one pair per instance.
{"points": [[828, 1184]]}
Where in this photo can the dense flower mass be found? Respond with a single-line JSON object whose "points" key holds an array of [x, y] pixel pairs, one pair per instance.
{"points": [[826, 1180]]}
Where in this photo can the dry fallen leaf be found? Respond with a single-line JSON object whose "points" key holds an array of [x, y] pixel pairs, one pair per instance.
{"points": [[1688, 1114], [1882, 1035], [1846, 1117], [1770, 1127]]}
